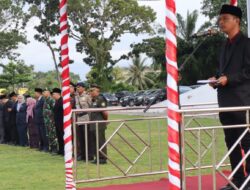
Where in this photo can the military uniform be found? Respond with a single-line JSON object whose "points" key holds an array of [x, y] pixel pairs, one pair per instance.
{"points": [[83, 101], [99, 102], [49, 122]]}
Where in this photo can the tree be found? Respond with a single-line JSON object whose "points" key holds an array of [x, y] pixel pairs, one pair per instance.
{"points": [[12, 23], [15, 74], [48, 80], [48, 14], [98, 25], [154, 48], [138, 74], [187, 27], [121, 86]]}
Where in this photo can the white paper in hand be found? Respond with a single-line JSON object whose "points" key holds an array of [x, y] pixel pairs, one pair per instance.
{"points": [[206, 81]]}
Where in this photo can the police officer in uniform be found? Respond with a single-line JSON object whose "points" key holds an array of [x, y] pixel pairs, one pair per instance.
{"points": [[83, 101], [98, 101]]}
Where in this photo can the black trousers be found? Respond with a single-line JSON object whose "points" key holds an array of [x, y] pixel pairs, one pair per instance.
{"points": [[14, 134], [81, 135], [231, 136], [59, 134], [43, 137], [22, 133], [7, 132], [102, 140]]}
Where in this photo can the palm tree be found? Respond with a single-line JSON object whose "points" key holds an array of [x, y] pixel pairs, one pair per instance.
{"points": [[138, 74], [187, 27]]}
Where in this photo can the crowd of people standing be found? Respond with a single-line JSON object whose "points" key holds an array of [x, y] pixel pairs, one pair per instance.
{"points": [[37, 121], [33, 121]]}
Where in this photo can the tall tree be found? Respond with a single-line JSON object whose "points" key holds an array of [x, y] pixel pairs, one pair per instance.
{"points": [[48, 80], [154, 48], [12, 23], [15, 74], [48, 28], [98, 25], [138, 74], [188, 26]]}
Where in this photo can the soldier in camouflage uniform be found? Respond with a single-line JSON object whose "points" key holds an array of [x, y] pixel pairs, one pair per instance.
{"points": [[49, 120]]}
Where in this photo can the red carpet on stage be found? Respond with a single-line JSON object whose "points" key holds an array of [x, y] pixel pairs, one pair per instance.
{"points": [[192, 184]]}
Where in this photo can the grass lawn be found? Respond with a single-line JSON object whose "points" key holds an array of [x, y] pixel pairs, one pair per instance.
{"points": [[23, 168]]}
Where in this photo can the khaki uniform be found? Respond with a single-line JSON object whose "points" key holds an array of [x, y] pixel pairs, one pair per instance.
{"points": [[83, 101]]}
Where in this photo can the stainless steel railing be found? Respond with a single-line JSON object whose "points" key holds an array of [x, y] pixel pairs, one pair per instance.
{"points": [[143, 137], [202, 144]]}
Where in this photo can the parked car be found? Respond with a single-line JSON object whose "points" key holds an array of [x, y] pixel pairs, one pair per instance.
{"points": [[139, 100], [130, 99], [111, 99], [183, 89], [155, 97], [121, 94]]}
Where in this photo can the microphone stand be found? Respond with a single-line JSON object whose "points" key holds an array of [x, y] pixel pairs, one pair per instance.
{"points": [[180, 69], [192, 53]]}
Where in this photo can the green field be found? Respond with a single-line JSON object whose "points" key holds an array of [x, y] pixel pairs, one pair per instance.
{"points": [[23, 168]]}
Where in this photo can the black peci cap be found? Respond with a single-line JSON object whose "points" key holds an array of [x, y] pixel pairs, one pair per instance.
{"points": [[230, 9], [72, 84], [39, 90], [12, 94], [3, 96], [56, 90]]}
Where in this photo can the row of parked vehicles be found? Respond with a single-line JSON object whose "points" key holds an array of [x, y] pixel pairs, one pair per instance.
{"points": [[140, 98]]}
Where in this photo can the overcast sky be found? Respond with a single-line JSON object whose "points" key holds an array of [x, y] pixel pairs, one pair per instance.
{"points": [[39, 55]]}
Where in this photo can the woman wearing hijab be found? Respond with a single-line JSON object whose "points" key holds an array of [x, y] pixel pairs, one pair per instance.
{"points": [[32, 129], [21, 123]]}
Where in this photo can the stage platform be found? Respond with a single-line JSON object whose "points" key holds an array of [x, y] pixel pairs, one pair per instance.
{"points": [[192, 184]]}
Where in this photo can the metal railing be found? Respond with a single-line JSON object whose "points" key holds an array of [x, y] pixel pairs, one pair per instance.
{"points": [[208, 142], [133, 143], [137, 146]]}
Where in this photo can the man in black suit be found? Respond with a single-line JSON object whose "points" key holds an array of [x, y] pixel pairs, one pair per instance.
{"points": [[39, 121], [233, 83], [14, 134], [58, 116], [7, 107]]}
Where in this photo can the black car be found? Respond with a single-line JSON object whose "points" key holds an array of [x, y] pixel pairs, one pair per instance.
{"points": [[111, 99], [130, 99], [121, 94], [155, 97], [139, 100]]}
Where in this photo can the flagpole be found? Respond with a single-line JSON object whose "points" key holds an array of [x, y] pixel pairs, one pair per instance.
{"points": [[68, 147]]}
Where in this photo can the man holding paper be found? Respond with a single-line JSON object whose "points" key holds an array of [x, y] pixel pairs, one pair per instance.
{"points": [[233, 84]]}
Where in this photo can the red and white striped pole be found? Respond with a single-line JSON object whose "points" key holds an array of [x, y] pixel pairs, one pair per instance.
{"points": [[173, 97], [68, 148], [234, 2]]}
